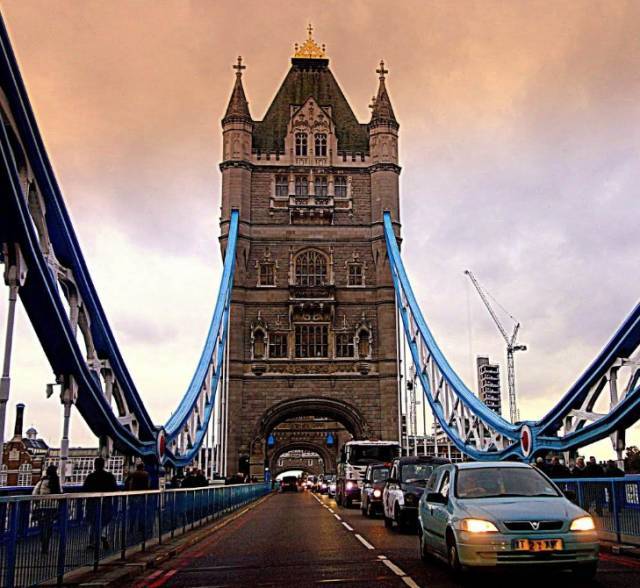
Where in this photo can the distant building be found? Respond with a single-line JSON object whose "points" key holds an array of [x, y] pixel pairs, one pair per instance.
{"points": [[80, 464], [489, 384], [26, 458], [22, 457]]}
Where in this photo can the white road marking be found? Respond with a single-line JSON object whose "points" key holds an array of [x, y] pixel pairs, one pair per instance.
{"points": [[393, 567], [383, 558], [364, 541]]}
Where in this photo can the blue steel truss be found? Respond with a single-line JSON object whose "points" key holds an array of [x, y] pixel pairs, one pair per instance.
{"points": [[60, 298], [484, 435]]}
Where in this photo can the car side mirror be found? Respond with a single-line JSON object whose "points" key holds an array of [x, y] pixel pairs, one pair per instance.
{"points": [[437, 498], [571, 495]]}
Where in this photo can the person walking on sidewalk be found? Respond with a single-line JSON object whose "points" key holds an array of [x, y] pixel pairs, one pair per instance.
{"points": [[99, 481]]}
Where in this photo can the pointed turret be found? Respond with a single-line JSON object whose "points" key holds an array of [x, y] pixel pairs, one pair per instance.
{"points": [[382, 111], [238, 108]]}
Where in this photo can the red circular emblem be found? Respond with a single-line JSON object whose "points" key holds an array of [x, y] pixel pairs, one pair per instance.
{"points": [[525, 440], [162, 445]]}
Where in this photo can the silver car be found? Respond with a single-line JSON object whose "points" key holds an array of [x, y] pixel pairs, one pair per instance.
{"points": [[504, 514]]}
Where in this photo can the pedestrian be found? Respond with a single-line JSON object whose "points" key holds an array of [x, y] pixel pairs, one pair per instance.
{"points": [[557, 469], [201, 479], [138, 480], [612, 470], [580, 469], [190, 480], [541, 464], [103, 482], [593, 469], [45, 512]]}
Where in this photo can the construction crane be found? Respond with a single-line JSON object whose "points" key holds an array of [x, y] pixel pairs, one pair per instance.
{"points": [[512, 347]]}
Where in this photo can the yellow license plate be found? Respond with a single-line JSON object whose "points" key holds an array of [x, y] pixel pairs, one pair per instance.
{"points": [[538, 545]]}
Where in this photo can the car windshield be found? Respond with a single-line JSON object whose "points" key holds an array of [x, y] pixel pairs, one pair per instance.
{"points": [[329, 479], [502, 482], [416, 472], [379, 474], [365, 454]]}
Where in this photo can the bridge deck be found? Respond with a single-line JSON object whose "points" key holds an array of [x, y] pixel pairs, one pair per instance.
{"points": [[296, 540]]}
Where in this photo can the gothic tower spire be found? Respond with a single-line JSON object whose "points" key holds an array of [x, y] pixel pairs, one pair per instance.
{"points": [[238, 106], [382, 111]]}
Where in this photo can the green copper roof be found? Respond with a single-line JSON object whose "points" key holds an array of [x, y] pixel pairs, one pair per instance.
{"points": [[310, 78]]}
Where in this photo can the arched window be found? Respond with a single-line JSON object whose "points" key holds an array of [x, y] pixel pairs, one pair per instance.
{"points": [[321, 144], [311, 269], [364, 344], [259, 344], [301, 144]]}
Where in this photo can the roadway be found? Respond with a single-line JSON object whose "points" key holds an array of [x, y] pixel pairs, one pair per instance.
{"points": [[302, 539]]}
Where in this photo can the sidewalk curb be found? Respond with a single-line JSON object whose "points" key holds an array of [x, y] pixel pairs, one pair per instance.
{"points": [[117, 573], [620, 549]]}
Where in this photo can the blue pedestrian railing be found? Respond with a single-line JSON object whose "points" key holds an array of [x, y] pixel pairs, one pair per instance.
{"points": [[614, 504], [44, 537]]}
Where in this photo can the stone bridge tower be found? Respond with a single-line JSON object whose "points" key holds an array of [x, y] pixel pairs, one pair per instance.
{"points": [[312, 356]]}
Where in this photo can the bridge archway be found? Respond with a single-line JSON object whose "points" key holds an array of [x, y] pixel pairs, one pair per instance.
{"points": [[305, 423], [327, 457], [337, 410]]}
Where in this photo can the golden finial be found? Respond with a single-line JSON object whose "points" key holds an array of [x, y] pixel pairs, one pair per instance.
{"points": [[309, 49], [382, 72], [239, 67]]}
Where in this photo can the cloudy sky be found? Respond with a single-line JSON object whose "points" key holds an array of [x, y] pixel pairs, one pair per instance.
{"points": [[520, 147]]}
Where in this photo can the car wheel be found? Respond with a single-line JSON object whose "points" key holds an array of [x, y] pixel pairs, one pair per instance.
{"points": [[586, 572], [397, 515], [452, 555]]}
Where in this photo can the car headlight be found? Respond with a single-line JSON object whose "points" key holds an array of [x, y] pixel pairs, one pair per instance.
{"points": [[349, 485], [478, 526], [377, 494], [582, 524]]}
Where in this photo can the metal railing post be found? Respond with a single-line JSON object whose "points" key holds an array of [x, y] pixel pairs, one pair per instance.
{"points": [[159, 502], [98, 535], [124, 528], [10, 556], [63, 515], [616, 511], [173, 514], [144, 525]]}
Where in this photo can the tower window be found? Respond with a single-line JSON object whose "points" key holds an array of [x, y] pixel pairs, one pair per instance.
{"points": [[312, 341], [302, 186], [321, 145], [311, 269], [301, 144], [356, 276], [282, 186], [267, 274], [340, 187], [24, 475], [278, 346], [344, 345], [320, 185]]}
